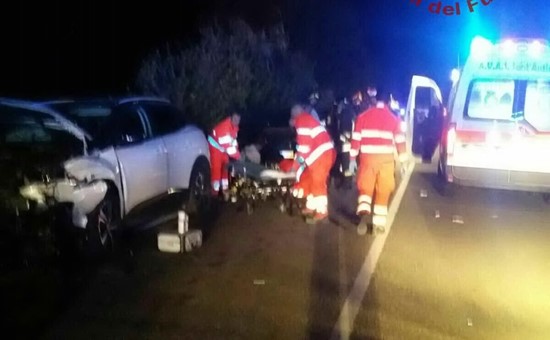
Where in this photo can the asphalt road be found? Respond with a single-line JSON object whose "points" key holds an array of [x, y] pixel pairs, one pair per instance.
{"points": [[271, 276]]}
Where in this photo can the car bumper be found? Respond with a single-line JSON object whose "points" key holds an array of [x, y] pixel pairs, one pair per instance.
{"points": [[498, 179]]}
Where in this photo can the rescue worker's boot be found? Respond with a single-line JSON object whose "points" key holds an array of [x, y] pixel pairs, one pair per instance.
{"points": [[379, 230], [317, 218], [227, 196], [307, 212], [363, 226]]}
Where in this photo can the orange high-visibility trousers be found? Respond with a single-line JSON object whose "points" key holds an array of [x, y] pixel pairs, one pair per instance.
{"points": [[376, 183], [218, 170], [314, 180], [302, 188]]}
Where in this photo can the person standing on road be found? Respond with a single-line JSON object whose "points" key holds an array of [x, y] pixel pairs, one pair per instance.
{"points": [[372, 92], [359, 104], [376, 137], [348, 115], [223, 146], [313, 100], [315, 157]]}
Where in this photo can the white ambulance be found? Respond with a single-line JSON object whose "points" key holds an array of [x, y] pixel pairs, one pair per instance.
{"points": [[496, 132]]}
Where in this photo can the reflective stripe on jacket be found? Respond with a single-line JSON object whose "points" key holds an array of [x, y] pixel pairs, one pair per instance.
{"points": [[377, 132], [312, 138], [224, 138]]}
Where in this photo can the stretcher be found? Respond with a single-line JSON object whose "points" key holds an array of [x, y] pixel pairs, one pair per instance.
{"points": [[250, 184]]}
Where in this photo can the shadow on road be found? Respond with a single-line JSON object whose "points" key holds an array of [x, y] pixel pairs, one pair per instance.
{"points": [[324, 285], [372, 322], [332, 270]]}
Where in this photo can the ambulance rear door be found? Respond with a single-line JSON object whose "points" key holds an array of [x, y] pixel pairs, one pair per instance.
{"points": [[424, 95]]}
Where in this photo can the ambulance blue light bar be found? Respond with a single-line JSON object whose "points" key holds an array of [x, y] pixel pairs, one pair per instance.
{"points": [[481, 47]]}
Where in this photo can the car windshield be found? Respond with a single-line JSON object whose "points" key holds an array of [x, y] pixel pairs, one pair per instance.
{"points": [[92, 117], [19, 126]]}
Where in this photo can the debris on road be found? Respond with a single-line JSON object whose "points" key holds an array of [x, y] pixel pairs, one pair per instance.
{"points": [[470, 322], [494, 217], [458, 219], [259, 282], [423, 193], [437, 214], [184, 241]]}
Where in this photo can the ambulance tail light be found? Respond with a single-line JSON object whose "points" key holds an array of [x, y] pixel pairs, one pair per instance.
{"points": [[451, 139]]}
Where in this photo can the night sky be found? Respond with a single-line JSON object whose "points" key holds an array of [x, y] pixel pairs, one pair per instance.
{"points": [[57, 48]]}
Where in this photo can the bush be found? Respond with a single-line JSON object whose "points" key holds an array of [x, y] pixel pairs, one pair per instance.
{"points": [[228, 67]]}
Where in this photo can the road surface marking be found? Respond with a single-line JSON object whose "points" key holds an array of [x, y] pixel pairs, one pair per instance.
{"points": [[344, 325]]}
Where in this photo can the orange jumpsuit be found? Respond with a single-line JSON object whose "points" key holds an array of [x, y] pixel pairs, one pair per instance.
{"points": [[376, 138], [315, 155], [222, 143]]}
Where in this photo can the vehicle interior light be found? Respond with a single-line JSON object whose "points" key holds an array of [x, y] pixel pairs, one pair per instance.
{"points": [[480, 47]]}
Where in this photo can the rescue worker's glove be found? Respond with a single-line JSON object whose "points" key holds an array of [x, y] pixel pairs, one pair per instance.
{"points": [[352, 167], [298, 163], [300, 171]]}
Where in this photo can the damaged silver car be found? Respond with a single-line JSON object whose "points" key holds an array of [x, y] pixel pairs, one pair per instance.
{"points": [[91, 163]]}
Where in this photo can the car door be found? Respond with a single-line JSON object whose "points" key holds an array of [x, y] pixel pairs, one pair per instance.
{"points": [[142, 158], [424, 94], [169, 123]]}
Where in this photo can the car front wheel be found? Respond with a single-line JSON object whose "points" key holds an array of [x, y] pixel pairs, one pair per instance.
{"points": [[199, 200], [102, 223]]}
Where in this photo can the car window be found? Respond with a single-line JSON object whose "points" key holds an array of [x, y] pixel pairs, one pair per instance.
{"points": [[537, 105], [164, 119], [92, 117], [128, 125], [491, 99]]}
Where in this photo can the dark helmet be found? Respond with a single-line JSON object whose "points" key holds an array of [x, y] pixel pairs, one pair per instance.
{"points": [[357, 98], [372, 92], [314, 97], [384, 97]]}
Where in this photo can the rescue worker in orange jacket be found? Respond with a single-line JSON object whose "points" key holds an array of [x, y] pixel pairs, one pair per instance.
{"points": [[223, 145], [315, 156], [376, 137]]}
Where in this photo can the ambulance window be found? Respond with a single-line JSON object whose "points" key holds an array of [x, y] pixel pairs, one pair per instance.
{"points": [[491, 99], [423, 97], [537, 105]]}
